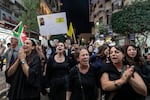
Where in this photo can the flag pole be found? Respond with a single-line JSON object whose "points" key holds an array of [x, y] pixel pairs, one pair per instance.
{"points": [[16, 26], [74, 38]]}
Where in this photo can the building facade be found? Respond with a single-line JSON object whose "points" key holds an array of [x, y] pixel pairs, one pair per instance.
{"points": [[10, 10], [102, 10]]}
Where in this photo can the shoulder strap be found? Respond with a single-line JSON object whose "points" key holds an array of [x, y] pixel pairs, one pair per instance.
{"points": [[82, 89]]}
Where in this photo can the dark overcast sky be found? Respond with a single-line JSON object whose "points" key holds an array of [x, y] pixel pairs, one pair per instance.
{"points": [[77, 12]]}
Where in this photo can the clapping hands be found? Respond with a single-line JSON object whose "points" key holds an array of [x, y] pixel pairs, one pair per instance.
{"points": [[128, 73], [22, 54]]}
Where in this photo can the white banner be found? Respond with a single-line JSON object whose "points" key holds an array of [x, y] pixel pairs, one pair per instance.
{"points": [[52, 24]]}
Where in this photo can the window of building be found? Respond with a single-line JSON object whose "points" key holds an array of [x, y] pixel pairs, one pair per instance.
{"points": [[107, 0], [101, 19], [117, 5], [108, 19], [101, 6], [5, 3], [94, 5], [112, 6]]}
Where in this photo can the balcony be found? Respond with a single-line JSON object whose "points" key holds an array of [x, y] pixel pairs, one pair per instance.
{"points": [[118, 4], [5, 5]]}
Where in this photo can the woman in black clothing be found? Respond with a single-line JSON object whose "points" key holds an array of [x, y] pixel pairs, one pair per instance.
{"points": [[72, 57], [133, 56], [56, 73], [121, 82], [24, 74], [83, 84]]}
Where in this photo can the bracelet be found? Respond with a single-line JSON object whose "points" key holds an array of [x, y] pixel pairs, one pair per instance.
{"points": [[23, 61], [116, 85]]}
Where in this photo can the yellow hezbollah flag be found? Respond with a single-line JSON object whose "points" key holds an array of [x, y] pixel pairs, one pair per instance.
{"points": [[70, 31]]}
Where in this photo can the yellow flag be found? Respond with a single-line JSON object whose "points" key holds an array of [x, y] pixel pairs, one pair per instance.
{"points": [[70, 31]]}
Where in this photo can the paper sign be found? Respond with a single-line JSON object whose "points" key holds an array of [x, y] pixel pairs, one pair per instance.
{"points": [[52, 24]]}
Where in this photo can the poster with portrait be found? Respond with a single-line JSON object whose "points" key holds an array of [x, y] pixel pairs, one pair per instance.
{"points": [[52, 24]]}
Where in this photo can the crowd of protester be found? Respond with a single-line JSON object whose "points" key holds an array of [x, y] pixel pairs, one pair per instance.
{"points": [[65, 71]]}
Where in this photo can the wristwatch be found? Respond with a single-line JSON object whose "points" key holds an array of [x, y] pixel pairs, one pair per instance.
{"points": [[23, 61]]}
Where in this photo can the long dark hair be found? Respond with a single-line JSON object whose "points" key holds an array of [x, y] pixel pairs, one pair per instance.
{"points": [[30, 57], [138, 59], [101, 50]]}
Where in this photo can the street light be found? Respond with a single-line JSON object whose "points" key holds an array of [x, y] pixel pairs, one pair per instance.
{"points": [[97, 23]]}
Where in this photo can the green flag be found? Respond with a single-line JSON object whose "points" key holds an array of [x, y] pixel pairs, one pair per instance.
{"points": [[18, 34]]}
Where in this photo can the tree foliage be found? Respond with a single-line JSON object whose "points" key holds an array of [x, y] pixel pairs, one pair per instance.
{"points": [[101, 28], [134, 18], [29, 17]]}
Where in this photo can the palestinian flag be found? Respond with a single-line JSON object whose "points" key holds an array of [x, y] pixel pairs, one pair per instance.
{"points": [[20, 34]]}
